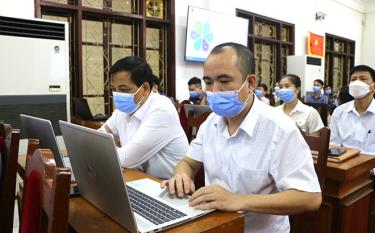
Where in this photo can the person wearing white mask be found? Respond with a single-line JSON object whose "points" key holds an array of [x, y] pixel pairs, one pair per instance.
{"points": [[306, 118], [255, 159], [146, 123], [353, 123]]}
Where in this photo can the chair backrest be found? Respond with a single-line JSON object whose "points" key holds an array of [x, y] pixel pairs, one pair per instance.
{"points": [[309, 222], [182, 114], [45, 205], [194, 122], [321, 145], [10, 139]]}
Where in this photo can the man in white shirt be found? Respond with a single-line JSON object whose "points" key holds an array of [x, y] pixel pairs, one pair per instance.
{"points": [[146, 123], [255, 158], [353, 123]]}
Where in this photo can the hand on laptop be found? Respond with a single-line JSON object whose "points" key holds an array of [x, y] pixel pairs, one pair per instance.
{"points": [[180, 185], [117, 140], [216, 197]]}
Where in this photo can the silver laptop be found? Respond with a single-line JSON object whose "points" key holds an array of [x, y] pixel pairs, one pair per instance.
{"points": [[139, 206], [197, 109], [42, 129]]}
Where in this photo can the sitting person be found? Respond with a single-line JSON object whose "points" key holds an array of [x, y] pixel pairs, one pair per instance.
{"points": [[255, 159], [261, 91], [195, 90], [353, 123], [317, 97], [146, 123], [306, 118]]}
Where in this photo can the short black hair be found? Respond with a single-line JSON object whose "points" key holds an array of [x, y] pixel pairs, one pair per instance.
{"points": [[194, 80], [293, 78], [319, 81], [156, 80], [140, 71], [363, 68], [344, 96], [245, 58], [264, 86]]}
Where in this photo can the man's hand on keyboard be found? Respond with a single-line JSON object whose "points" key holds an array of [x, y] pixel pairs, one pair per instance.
{"points": [[216, 197], [180, 185]]}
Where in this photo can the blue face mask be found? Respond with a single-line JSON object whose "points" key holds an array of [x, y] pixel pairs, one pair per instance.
{"points": [[195, 95], [316, 88], [286, 95], [328, 92], [258, 93], [124, 102], [226, 103]]}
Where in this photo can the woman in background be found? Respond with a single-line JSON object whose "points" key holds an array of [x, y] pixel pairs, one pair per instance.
{"points": [[305, 117]]}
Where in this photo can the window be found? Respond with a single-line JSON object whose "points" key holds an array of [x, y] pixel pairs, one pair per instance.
{"points": [[339, 59], [271, 41], [103, 31]]}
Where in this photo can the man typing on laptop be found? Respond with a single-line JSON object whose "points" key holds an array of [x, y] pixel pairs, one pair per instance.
{"points": [[146, 123], [255, 159]]}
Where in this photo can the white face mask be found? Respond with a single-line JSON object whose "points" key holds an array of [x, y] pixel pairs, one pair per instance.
{"points": [[358, 89]]}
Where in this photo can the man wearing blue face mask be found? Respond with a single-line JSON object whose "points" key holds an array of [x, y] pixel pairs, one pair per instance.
{"points": [[255, 159], [147, 123], [353, 123], [195, 90], [317, 97]]}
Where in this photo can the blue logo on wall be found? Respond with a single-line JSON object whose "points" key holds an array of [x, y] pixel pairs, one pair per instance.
{"points": [[202, 36]]}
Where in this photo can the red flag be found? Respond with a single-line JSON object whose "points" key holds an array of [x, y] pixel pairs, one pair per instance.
{"points": [[315, 45]]}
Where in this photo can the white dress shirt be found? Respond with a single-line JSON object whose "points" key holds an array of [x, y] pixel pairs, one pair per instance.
{"points": [[349, 128], [267, 154], [306, 118], [151, 137]]}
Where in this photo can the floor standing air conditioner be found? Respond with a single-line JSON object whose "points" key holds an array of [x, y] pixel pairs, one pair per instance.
{"points": [[34, 70], [308, 68]]}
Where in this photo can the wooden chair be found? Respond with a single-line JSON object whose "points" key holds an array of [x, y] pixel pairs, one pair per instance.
{"points": [[316, 221], [45, 204], [182, 114], [195, 122], [10, 139]]}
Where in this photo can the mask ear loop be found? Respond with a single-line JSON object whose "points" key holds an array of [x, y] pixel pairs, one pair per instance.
{"points": [[138, 104]]}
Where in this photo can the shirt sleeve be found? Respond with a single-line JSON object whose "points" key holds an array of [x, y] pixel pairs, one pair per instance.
{"points": [[154, 133], [314, 121], [110, 123], [334, 138], [292, 166]]}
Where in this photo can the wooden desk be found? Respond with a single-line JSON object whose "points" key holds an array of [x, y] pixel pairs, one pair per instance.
{"points": [[84, 217], [346, 196]]}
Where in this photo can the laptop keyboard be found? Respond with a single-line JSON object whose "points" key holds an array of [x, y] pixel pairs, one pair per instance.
{"points": [[152, 209]]}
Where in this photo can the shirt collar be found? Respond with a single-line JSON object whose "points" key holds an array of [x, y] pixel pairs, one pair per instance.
{"points": [[351, 107], [248, 124], [141, 112]]}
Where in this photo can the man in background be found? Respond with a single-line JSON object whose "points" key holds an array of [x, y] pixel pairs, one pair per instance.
{"points": [[318, 96], [196, 92]]}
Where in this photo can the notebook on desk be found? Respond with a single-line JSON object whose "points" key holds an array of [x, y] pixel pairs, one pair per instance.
{"points": [[82, 109], [139, 206], [42, 130]]}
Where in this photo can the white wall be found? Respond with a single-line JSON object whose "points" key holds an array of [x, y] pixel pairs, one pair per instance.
{"points": [[17, 8], [341, 20], [368, 52]]}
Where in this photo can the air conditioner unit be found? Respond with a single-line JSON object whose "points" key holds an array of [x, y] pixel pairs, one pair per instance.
{"points": [[308, 68], [34, 70]]}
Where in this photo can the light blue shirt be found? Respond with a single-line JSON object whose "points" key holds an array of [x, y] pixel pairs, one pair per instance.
{"points": [[322, 99]]}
